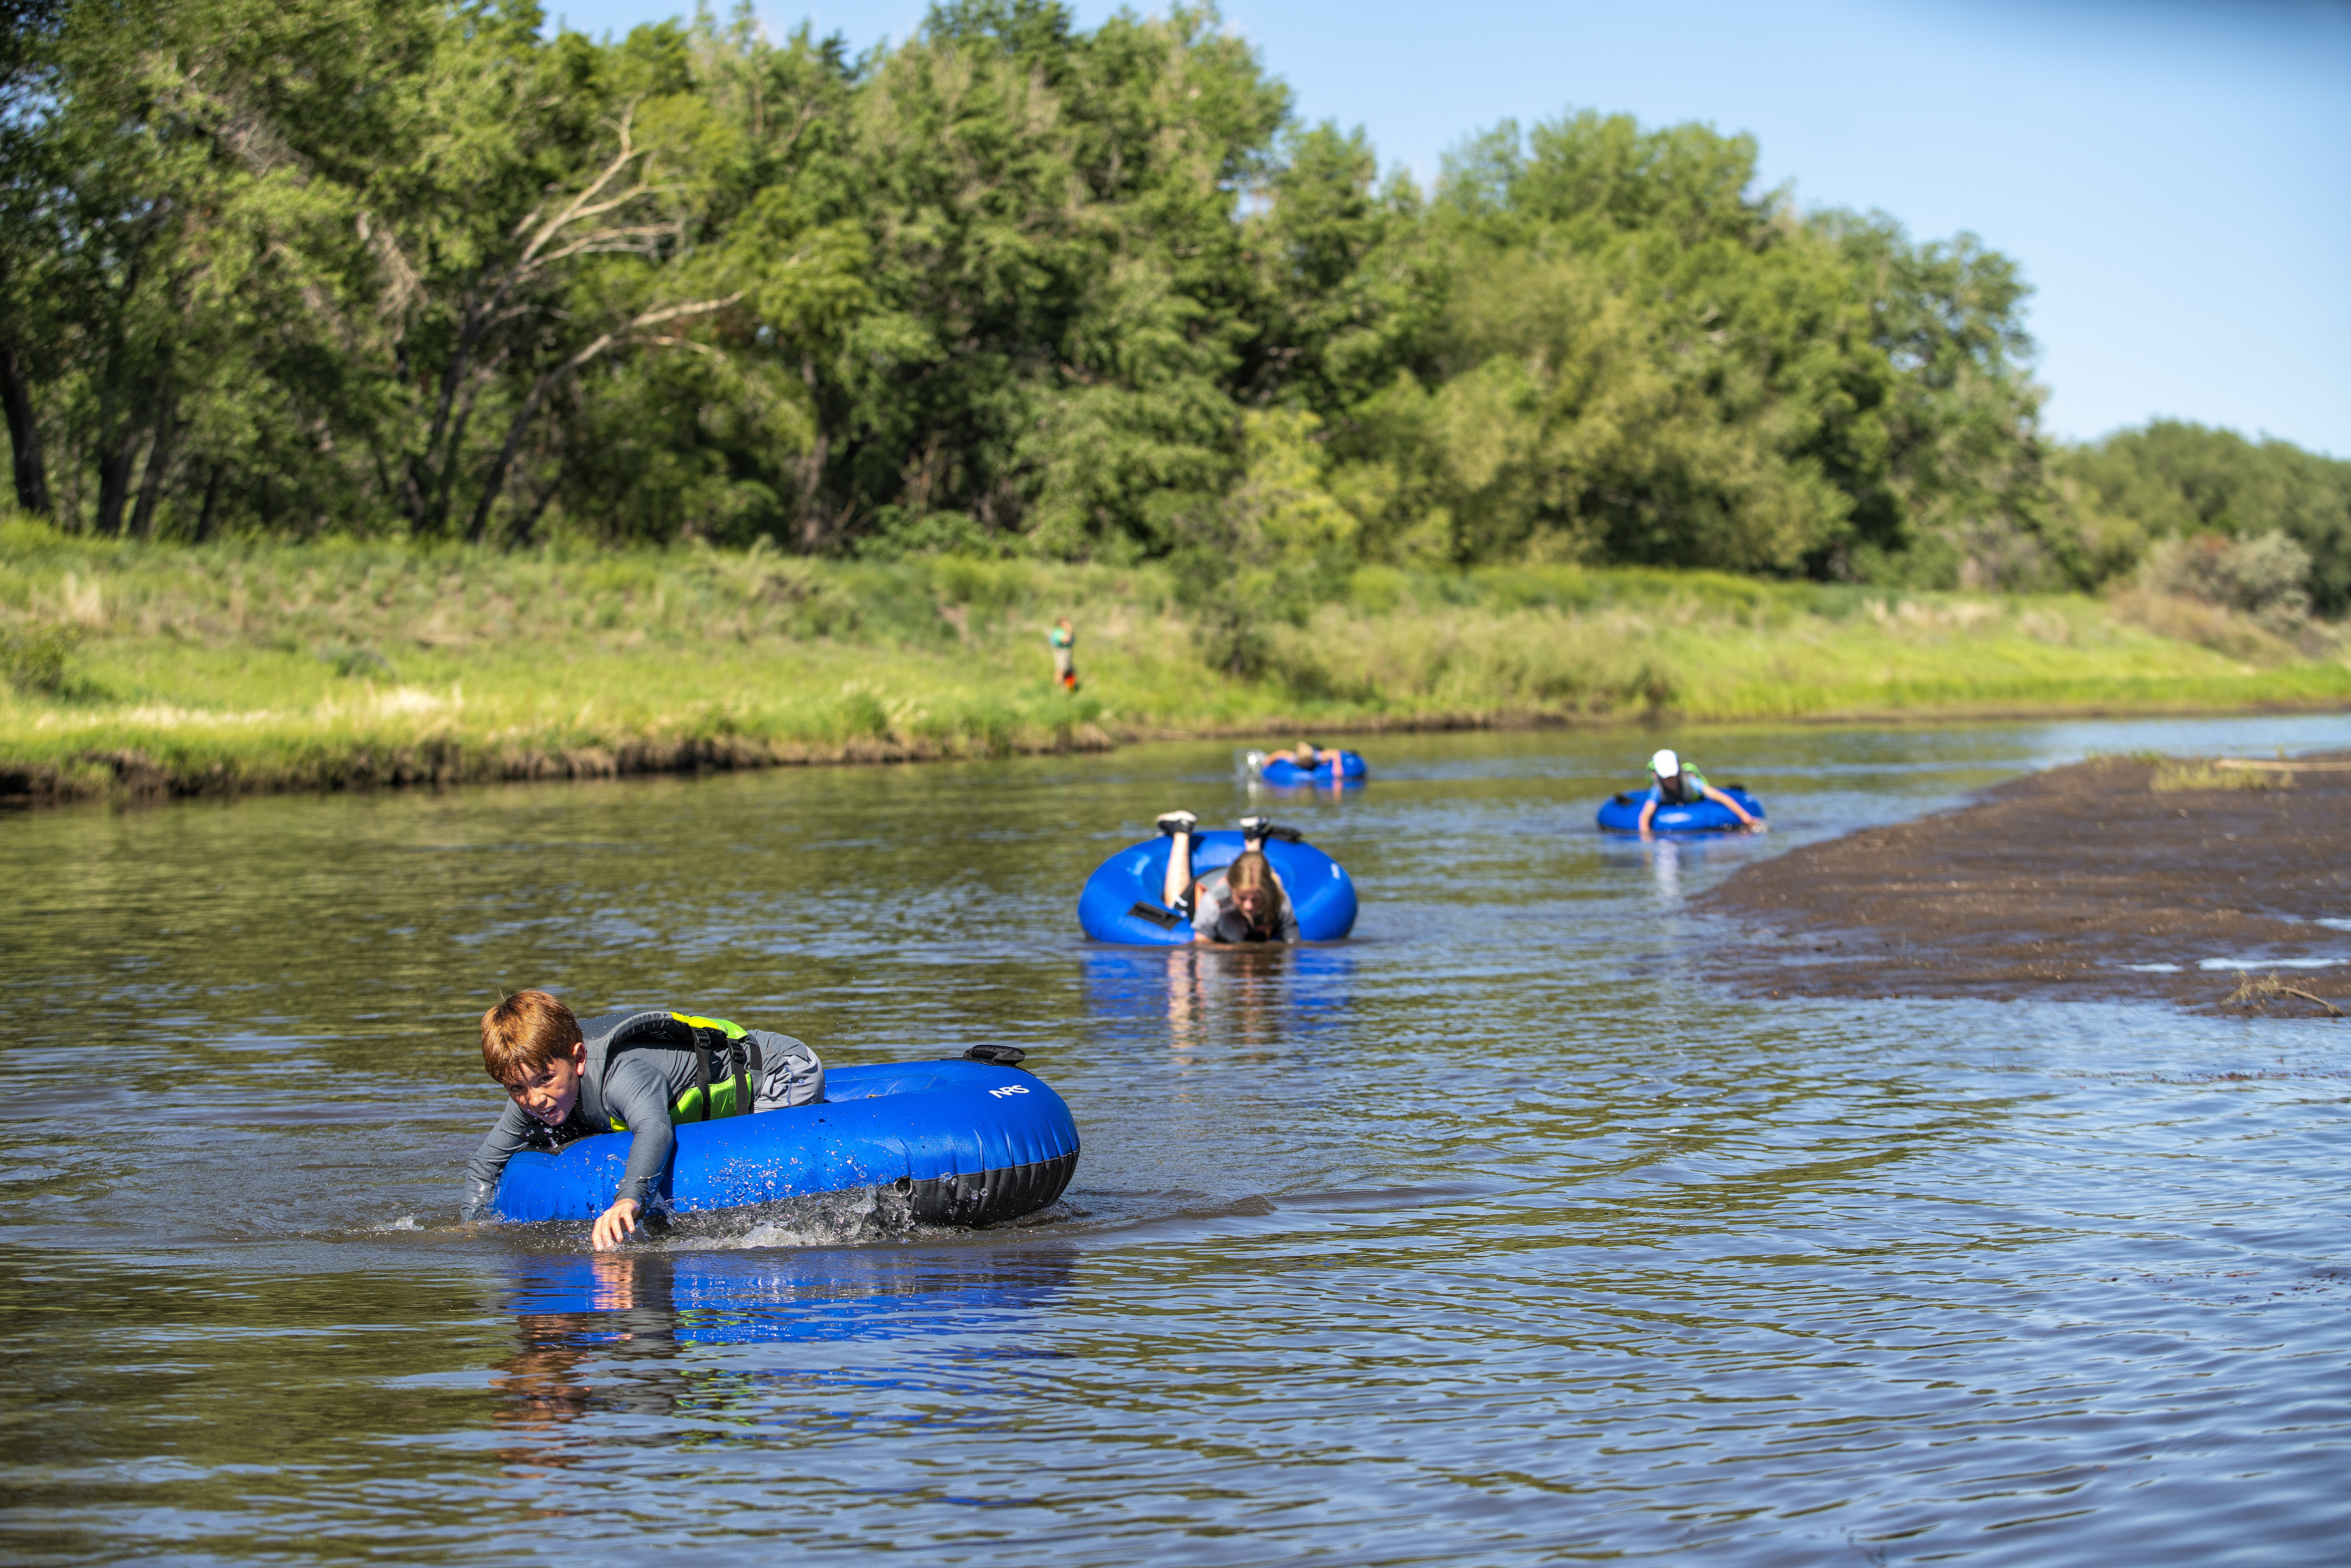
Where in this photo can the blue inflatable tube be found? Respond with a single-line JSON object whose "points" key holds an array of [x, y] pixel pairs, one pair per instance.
{"points": [[1622, 814], [1121, 901], [967, 1142], [1280, 771]]}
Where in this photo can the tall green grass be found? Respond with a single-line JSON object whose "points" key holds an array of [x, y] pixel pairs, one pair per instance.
{"points": [[249, 665]]}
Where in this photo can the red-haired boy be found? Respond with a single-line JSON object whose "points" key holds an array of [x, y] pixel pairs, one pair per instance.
{"points": [[641, 1071]]}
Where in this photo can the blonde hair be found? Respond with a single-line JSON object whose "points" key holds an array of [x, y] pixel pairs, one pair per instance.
{"points": [[1251, 870]]}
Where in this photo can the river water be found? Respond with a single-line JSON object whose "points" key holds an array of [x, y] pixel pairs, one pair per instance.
{"points": [[1494, 1234]]}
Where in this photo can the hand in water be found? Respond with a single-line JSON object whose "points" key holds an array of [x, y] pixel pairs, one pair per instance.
{"points": [[615, 1223]]}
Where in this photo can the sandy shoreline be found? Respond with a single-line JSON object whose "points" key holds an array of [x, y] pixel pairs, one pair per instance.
{"points": [[2083, 883]]}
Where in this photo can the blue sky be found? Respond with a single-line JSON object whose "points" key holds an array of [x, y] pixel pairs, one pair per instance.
{"points": [[2174, 175]]}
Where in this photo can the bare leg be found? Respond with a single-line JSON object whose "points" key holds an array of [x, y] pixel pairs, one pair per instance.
{"points": [[1179, 881]]}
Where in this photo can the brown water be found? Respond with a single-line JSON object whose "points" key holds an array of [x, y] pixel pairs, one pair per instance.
{"points": [[1493, 1235]]}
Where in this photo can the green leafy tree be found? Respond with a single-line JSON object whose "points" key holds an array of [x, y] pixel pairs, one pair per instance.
{"points": [[1054, 261], [1349, 293], [29, 30], [1945, 462], [1639, 362], [2121, 495], [1279, 545], [1014, 285]]}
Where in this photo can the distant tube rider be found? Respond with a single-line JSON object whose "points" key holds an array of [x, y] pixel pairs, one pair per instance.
{"points": [[1672, 782]]}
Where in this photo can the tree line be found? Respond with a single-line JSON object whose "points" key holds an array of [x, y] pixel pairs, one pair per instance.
{"points": [[1012, 287]]}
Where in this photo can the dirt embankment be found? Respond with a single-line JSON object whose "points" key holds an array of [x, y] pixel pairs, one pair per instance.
{"points": [[2084, 882]]}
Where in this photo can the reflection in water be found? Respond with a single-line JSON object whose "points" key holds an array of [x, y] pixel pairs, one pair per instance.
{"points": [[631, 1334], [541, 1386], [1247, 1002], [731, 1298], [1266, 797], [1234, 1000], [1664, 859]]}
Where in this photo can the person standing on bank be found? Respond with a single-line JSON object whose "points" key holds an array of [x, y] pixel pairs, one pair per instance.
{"points": [[1064, 642], [1672, 782]]}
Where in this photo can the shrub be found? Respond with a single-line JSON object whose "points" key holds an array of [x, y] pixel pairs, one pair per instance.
{"points": [[32, 658], [2261, 575], [356, 659], [2194, 774]]}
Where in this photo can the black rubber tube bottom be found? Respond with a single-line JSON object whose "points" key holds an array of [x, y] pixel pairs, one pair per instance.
{"points": [[992, 1196]]}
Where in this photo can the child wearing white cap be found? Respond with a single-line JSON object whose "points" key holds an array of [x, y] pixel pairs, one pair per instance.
{"points": [[1672, 782]]}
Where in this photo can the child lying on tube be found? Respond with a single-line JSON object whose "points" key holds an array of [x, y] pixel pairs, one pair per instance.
{"points": [[639, 1071]]}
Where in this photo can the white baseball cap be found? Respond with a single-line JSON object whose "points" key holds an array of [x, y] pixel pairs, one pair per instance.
{"points": [[1665, 764]]}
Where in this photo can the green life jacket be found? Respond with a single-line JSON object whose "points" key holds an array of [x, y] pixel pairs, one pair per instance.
{"points": [[726, 1060]]}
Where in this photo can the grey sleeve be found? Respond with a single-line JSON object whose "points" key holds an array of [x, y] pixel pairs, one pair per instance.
{"points": [[511, 1134], [1209, 907], [640, 1096]]}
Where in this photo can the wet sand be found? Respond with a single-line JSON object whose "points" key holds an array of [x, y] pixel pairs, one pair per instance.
{"points": [[2076, 883]]}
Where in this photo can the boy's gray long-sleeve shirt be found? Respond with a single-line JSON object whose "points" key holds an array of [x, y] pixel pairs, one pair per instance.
{"points": [[640, 1086]]}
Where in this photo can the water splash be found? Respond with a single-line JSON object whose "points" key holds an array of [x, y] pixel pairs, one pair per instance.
{"points": [[861, 1218]]}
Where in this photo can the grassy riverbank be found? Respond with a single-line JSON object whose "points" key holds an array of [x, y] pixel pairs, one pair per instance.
{"points": [[263, 666]]}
